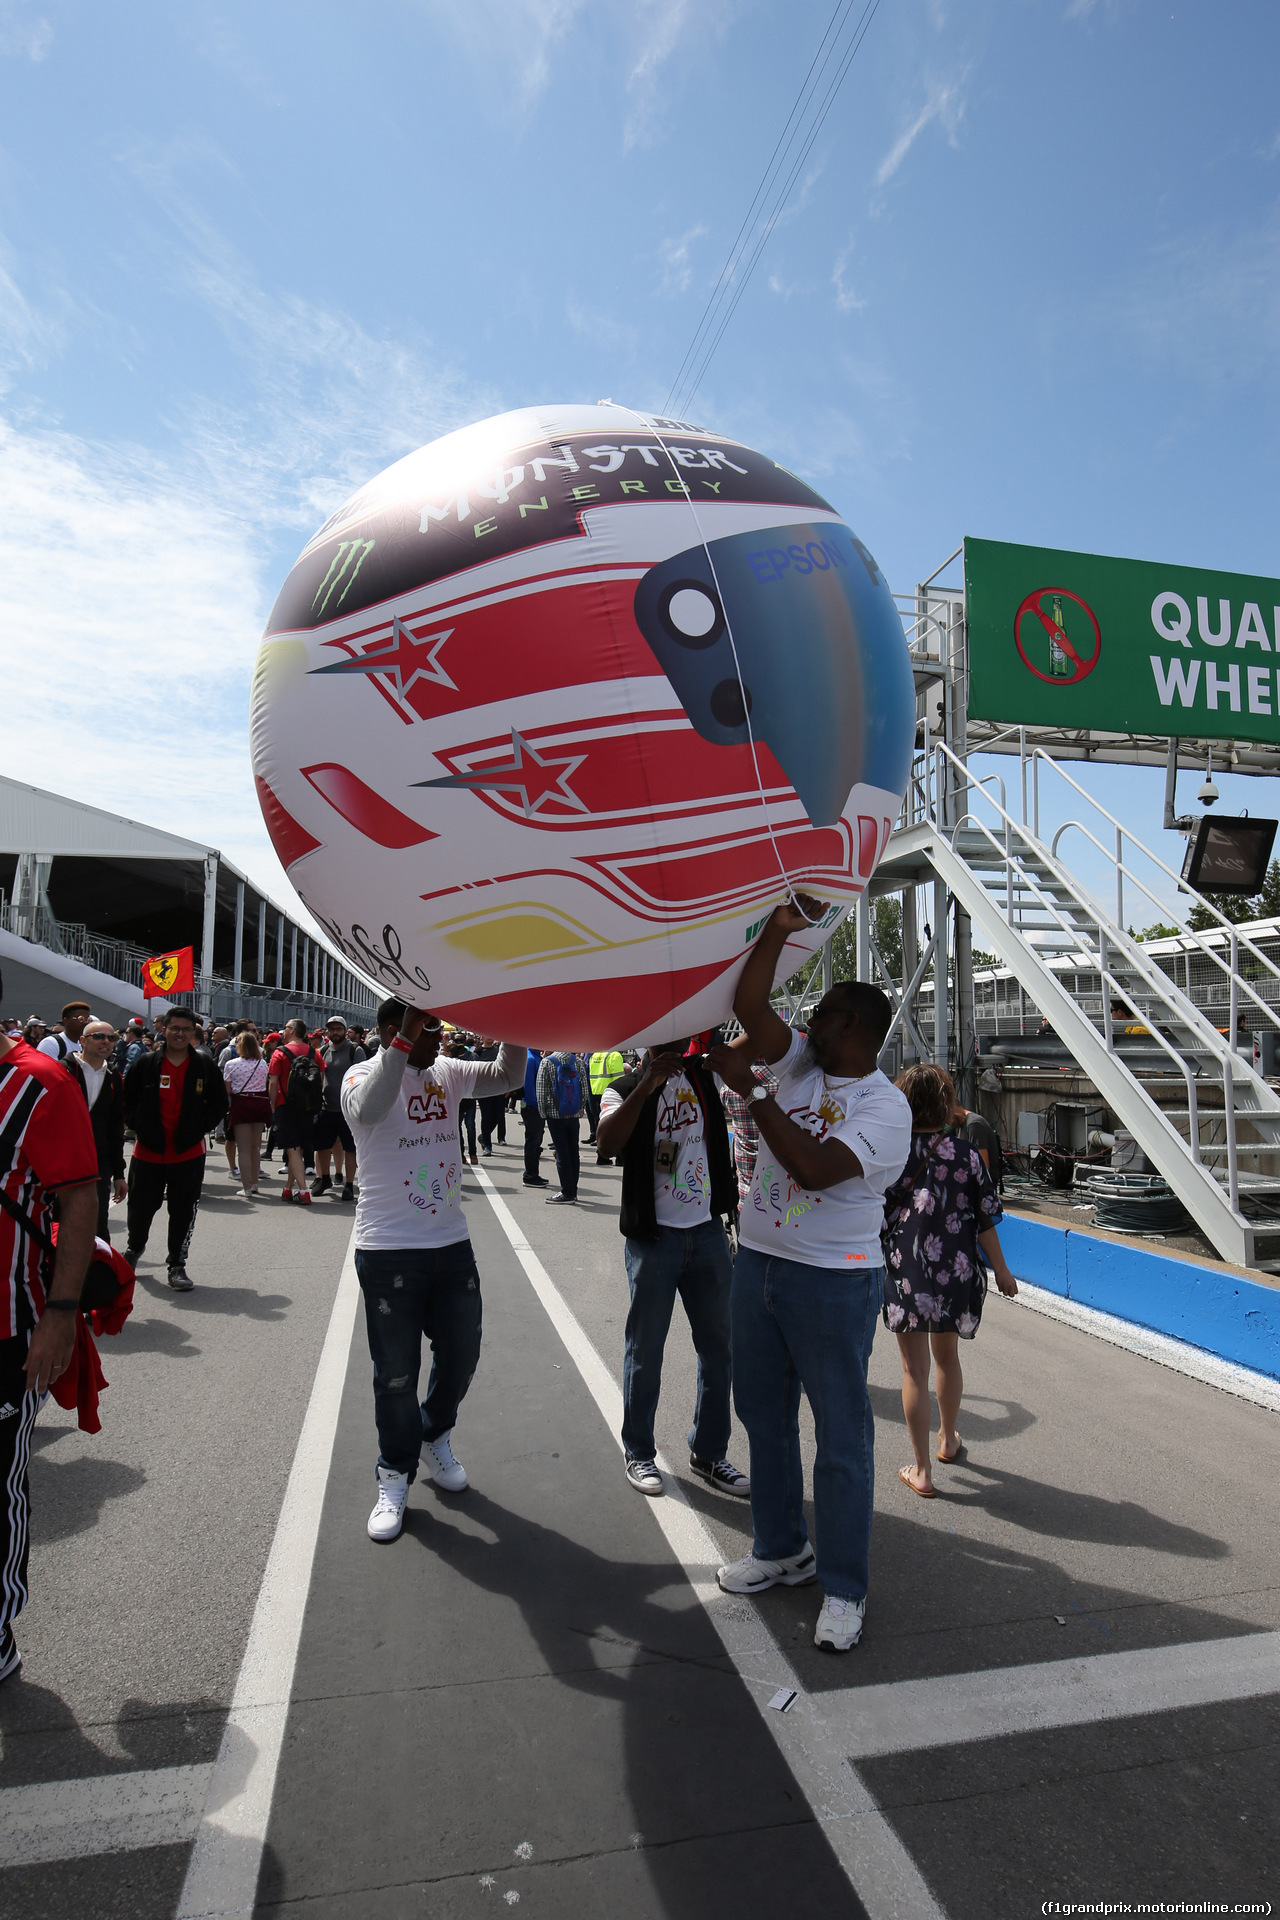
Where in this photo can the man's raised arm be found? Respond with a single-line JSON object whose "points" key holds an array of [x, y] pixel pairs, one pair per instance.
{"points": [[769, 1035], [502, 1075]]}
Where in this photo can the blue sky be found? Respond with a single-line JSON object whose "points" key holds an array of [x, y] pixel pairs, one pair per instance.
{"points": [[1029, 287]]}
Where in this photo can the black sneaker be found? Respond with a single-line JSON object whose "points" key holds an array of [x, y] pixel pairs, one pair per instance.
{"points": [[10, 1658], [722, 1474], [322, 1184], [348, 1191], [644, 1476], [537, 1181], [180, 1280], [561, 1199], [133, 1255]]}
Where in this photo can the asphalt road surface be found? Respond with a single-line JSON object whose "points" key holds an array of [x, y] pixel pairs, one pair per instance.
{"points": [[1067, 1690]]}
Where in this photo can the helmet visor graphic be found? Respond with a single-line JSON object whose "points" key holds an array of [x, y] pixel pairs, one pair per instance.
{"points": [[825, 678]]}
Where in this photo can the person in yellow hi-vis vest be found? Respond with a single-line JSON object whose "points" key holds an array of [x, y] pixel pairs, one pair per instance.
{"points": [[601, 1069]]}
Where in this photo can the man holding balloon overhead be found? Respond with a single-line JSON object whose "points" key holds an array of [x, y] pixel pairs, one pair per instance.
{"points": [[413, 1248], [808, 1279]]}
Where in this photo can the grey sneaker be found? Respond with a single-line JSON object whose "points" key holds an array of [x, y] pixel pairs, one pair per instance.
{"points": [[750, 1575], [644, 1476], [180, 1280], [839, 1624]]}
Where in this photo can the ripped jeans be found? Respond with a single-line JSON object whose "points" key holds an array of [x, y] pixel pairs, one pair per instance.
{"points": [[408, 1293]]}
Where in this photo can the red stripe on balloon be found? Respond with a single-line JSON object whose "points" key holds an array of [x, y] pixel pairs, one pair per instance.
{"points": [[364, 809], [290, 840], [868, 845], [580, 1013]]}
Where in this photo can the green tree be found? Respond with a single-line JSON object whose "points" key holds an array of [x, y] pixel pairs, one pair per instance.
{"points": [[1156, 931], [886, 919], [1238, 907]]}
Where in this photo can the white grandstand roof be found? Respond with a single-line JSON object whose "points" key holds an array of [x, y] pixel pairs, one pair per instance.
{"points": [[33, 821]]}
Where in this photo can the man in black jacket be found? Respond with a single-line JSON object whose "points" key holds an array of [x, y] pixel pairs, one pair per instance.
{"points": [[171, 1100], [103, 1090], [668, 1127]]}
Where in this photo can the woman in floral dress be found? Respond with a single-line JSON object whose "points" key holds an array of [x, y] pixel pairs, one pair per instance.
{"points": [[937, 1214]]}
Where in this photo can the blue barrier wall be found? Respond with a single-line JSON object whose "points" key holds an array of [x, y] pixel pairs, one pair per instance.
{"points": [[1208, 1307]]}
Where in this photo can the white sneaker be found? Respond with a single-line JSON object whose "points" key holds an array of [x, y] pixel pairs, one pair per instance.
{"points": [[387, 1517], [750, 1575], [445, 1470], [839, 1624]]}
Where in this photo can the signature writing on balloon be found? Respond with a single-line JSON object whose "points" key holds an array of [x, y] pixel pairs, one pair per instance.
{"points": [[386, 961]]}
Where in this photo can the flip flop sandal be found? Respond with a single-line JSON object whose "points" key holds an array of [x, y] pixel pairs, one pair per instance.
{"points": [[925, 1493], [949, 1459]]}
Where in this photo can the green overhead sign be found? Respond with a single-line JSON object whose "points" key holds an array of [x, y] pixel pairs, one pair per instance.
{"points": [[1120, 646]]}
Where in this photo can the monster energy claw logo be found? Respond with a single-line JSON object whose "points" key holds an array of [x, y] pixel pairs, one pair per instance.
{"points": [[343, 568]]}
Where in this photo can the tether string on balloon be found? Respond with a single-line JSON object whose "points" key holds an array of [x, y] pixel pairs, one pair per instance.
{"points": [[742, 686]]}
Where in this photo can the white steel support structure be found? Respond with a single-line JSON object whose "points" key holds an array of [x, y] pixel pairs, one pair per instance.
{"points": [[989, 876]]}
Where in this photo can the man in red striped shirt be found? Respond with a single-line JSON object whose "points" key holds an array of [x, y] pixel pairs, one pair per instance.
{"points": [[46, 1151]]}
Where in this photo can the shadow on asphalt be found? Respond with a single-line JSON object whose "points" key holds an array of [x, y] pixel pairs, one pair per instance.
{"points": [[44, 1741], [214, 1298], [1004, 1423], [701, 1771], [68, 1496], [1064, 1514], [151, 1336]]}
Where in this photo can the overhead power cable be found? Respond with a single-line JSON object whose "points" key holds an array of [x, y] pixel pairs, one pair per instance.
{"points": [[834, 56]]}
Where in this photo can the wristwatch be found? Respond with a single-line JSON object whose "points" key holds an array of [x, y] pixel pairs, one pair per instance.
{"points": [[758, 1093]]}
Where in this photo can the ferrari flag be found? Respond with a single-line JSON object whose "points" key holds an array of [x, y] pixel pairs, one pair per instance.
{"points": [[169, 973]]}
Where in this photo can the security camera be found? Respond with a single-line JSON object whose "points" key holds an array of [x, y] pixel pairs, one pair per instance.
{"points": [[1208, 792]]}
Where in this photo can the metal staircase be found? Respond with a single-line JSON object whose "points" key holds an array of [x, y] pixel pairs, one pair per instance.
{"points": [[1027, 905]]}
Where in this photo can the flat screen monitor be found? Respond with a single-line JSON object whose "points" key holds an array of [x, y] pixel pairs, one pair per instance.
{"points": [[1229, 855]]}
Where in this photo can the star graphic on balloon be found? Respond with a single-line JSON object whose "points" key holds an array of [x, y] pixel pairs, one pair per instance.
{"points": [[405, 656], [528, 774]]}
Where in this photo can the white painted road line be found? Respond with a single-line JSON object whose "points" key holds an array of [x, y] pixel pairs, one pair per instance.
{"points": [[911, 1715], [1192, 1361], [107, 1813], [222, 1877], [881, 1871]]}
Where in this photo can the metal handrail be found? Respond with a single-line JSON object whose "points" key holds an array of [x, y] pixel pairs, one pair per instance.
{"points": [[1230, 969], [1051, 906], [1162, 984], [1193, 933]]}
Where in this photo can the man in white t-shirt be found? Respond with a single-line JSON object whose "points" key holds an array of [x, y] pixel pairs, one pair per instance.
{"points": [[667, 1126], [808, 1279], [75, 1018], [413, 1249]]}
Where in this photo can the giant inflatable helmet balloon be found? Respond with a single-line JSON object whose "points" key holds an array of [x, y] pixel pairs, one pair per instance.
{"points": [[552, 713]]}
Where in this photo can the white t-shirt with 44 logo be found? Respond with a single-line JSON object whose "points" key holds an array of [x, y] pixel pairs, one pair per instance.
{"points": [[839, 1227], [681, 1179], [411, 1162]]}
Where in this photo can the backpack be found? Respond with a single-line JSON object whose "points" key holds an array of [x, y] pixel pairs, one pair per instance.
{"points": [[304, 1092], [559, 1087]]}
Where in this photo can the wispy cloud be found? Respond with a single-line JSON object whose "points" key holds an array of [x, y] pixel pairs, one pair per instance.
{"points": [[511, 41], [24, 34], [1207, 304], [848, 299], [659, 29], [134, 586], [611, 336], [944, 102], [677, 262]]}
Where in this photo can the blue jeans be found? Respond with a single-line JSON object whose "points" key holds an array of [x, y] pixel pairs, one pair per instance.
{"points": [[565, 1135], [693, 1262], [407, 1293], [812, 1327]]}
